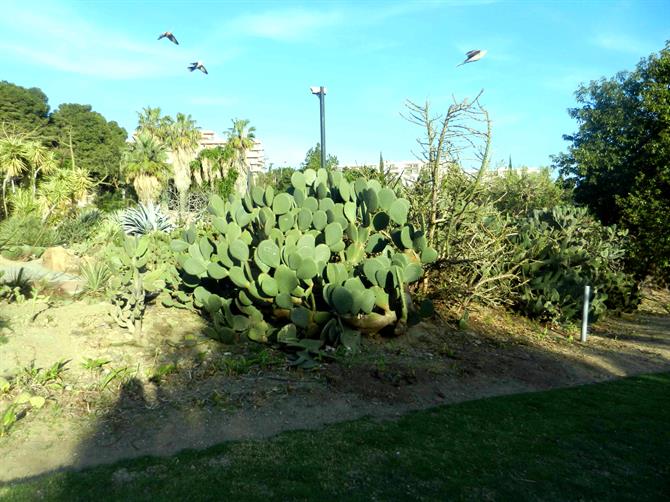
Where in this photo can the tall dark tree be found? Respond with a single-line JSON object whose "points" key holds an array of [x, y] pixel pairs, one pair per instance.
{"points": [[97, 145], [23, 110], [619, 159], [313, 159]]}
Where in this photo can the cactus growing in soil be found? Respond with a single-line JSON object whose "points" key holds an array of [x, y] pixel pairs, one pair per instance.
{"points": [[319, 264], [140, 272]]}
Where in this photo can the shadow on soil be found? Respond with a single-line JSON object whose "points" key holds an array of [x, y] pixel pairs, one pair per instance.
{"points": [[197, 399]]}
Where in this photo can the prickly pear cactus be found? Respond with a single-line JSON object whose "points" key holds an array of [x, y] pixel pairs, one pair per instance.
{"points": [[140, 271], [318, 265]]}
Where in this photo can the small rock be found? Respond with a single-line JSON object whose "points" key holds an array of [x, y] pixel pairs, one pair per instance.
{"points": [[60, 259]]}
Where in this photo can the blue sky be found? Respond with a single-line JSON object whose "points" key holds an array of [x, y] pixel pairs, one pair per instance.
{"points": [[262, 56]]}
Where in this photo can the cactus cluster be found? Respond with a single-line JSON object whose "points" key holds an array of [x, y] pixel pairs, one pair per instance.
{"points": [[140, 272], [318, 264], [565, 249]]}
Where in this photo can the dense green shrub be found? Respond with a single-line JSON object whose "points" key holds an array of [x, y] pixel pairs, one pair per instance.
{"points": [[78, 227], [313, 266], [517, 192], [567, 249], [28, 230]]}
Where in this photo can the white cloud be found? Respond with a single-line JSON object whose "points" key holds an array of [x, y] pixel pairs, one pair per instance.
{"points": [[284, 25]]}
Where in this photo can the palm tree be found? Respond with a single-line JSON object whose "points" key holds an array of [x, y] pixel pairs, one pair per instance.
{"points": [[181, 136], [150, 121], [210, 165], [145, 164], [240, 141], [20, 154]]}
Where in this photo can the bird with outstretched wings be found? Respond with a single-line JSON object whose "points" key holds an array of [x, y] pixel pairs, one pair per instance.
{"points": [[198, 66], [472, 56], [169, 36]]}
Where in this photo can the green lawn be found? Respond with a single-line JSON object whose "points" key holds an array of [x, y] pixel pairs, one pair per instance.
{"points": [[605, 441]]}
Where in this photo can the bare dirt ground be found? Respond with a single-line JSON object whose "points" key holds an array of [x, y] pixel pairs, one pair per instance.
{"points": [[121, 396]]}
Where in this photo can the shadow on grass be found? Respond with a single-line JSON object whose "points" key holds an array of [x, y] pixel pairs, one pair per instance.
{"points": [[586, 443], [203, 402]]}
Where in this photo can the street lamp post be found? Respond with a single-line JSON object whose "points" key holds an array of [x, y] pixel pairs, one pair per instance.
{"points": [[321, 92]]}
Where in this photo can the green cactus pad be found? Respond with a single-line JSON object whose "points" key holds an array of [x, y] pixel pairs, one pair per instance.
{"points": [[322, 253], [350, 211], [319, 220], [269, 196], [311, 203], [371, 200], [336, 273], [286, 222], [300, 316], [360, 186], [216, 206], [345, 190], [386, 198], [195, 267], [406, 237], [178, 245], [428, 255], [206, 248], [268, 252], [189, 234], [240, 323], [412, 272], [269, 286], [355, 252], [201, 295], [258, 196], [242, 217], [216, 271], [299, 197], [236, 275], [376, 243], [298, 180], [307, 269], [282, 203], [310, 176], [326, 204], [239, 250], [294, 260], [341, 300], [366, 301], [233, 232], [304, 219], [333, 234], [398, 211], [286, 279]]}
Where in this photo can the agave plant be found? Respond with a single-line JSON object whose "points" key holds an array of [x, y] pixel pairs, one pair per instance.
{"points": [[145, 219]]}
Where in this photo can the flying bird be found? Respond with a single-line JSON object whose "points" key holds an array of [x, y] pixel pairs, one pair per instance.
{"points": [[198, 66], [473, 56], [169, 36]]}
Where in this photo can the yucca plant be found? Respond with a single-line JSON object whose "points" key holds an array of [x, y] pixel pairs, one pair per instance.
{"points": [[145, 219]]}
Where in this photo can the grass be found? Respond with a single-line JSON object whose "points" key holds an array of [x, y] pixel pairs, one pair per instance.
{"points": [[608, 441]]}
